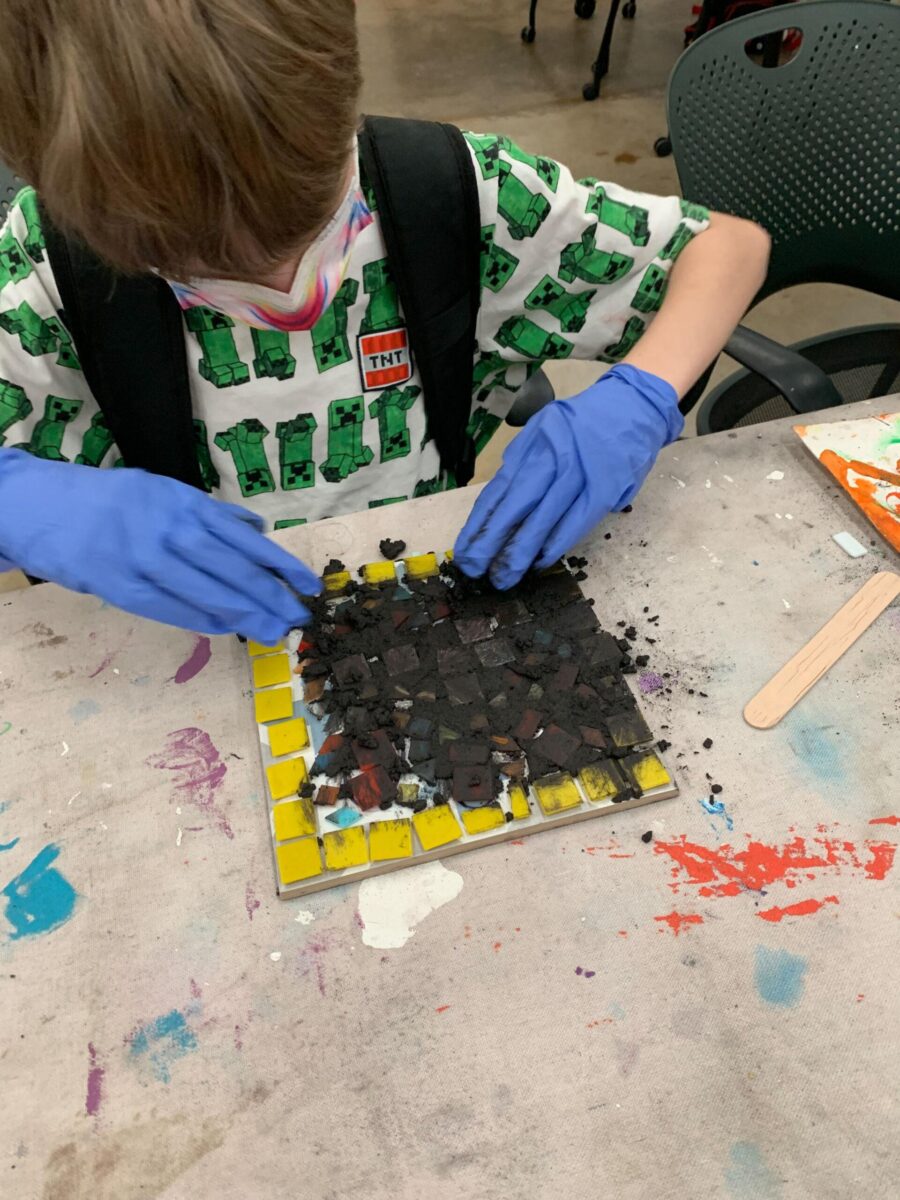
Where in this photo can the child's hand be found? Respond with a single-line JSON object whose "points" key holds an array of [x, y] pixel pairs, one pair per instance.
{"points": [[150, 545], [575, 461]]}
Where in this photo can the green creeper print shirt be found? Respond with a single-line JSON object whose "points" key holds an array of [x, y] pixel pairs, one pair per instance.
{"points": [[313, 424]]}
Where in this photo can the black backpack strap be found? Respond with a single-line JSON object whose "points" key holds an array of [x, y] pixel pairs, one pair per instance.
{"points": [[423, 178], [129, 336]]}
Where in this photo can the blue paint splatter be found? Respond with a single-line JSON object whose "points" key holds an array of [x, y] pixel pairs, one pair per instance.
{"points": [[8, 845], [748, 1177], [83, 709], [617, 1011], [716, 808], [162, 1042], [40, 899], [818, 749], [779, 976], [141, 680]]}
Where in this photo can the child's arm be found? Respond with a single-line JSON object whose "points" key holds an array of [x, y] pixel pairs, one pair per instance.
{"points": [[710, 288]]}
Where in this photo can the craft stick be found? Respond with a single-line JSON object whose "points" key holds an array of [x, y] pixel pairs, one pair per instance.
{"points": [[821, 652]]}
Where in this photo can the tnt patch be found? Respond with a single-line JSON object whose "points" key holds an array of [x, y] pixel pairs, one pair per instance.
{"points": [[384, 359]]}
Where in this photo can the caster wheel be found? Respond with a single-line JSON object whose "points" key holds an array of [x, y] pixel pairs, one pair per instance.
{"points": [[629, 10], [528, 35], [585, 9], [662, 147], [590, 91]]}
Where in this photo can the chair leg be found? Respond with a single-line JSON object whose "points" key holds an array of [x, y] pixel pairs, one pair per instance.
{"points": [[529, 32], [591, 90]]}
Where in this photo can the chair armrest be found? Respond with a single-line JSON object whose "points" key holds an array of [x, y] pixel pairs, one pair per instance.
{"points": [[804, 386]]}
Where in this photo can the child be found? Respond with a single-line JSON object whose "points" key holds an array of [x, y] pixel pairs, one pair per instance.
{"points": [[214, 143]]}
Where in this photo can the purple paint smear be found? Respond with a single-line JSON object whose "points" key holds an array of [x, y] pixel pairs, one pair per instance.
{"points": [[199, 657], [94, 1084], [250, 901], [583, 971], [198, 772], [649, 681]]}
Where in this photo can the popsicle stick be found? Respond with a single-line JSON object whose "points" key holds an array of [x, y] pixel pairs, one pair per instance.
{"points": [[821, 652]]}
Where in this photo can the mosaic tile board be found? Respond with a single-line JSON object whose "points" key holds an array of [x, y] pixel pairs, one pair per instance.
{"points": [[424, 714]]}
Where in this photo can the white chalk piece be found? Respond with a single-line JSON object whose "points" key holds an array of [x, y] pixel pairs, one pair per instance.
{"points": [[775, 476], [849, 544], [821, 652]]}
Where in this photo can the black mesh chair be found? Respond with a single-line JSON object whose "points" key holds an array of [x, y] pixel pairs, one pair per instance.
{"points": [[809, 149]]}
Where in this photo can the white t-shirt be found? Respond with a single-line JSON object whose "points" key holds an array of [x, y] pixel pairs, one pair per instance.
{"points": [[312, 424]]}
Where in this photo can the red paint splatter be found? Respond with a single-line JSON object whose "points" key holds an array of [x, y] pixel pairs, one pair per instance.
{"points": [[623, 933], [728, 872], [198, 772], [94, 1095], [802, 909], [497, 946], [196, 993], [892, 820], [517, 842], [251, 903], [238, 1040], [442, 1008], [602, 1021], [196, 661], [612, 849], [357, 917], [676, 921], [860, 996]]}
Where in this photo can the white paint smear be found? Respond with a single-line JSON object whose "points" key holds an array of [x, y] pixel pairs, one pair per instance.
{"points": [[680, 482], [304, 917], [275, 956], [391, 906], [775, 476]]}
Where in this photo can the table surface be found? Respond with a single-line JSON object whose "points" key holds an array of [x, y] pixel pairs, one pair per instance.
{"points": [[583, 1012]]}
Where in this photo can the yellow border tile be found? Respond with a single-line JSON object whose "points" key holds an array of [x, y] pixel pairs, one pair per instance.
{"points": [[421, 566], [648, 771], [254, 649], [273, 668], [601, 781], [390, 839], [480, 820], [336, 581], [518, 802], [379, 572], [285, 777], [436, 826], [557, 793], [346, 848], [293, 819], [299, 860], [288, 737], [272, 706]]}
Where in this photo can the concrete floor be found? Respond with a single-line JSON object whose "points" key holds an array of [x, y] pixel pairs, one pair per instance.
{"points": [[464, 62]]}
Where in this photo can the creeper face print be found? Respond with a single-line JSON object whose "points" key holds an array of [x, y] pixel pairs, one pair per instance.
{"points": [[244, 442], [630, 219], [39, 335], [34, 236], [220, 364], [14, 406], [497, 264], [487, 154], [694, 212], [330, 343], [383, 310], [545, 168], [208, 473], [387, 500], [295, 457], [273, 358], [428, 487], [14, 264], [531, 341], [651, 289], [582, 260], [631, 335], [96, 443], [569, 308], [676, 242], [47, 435], [523, 211], [391, 408], [483, 424], [346, 452]]}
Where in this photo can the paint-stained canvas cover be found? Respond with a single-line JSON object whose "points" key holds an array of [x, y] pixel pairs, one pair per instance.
{"points": [[423, 713], [864, 457]]}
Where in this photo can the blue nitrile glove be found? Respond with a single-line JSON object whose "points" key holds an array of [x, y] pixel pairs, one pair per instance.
{"points": [[575, 461], [150, 545]]}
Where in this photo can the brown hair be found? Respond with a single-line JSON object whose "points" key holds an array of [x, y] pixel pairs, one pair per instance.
{"points": [[167, 133]]}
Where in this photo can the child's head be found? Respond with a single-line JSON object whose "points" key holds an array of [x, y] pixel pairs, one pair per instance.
{"points": [[184, 135]]}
